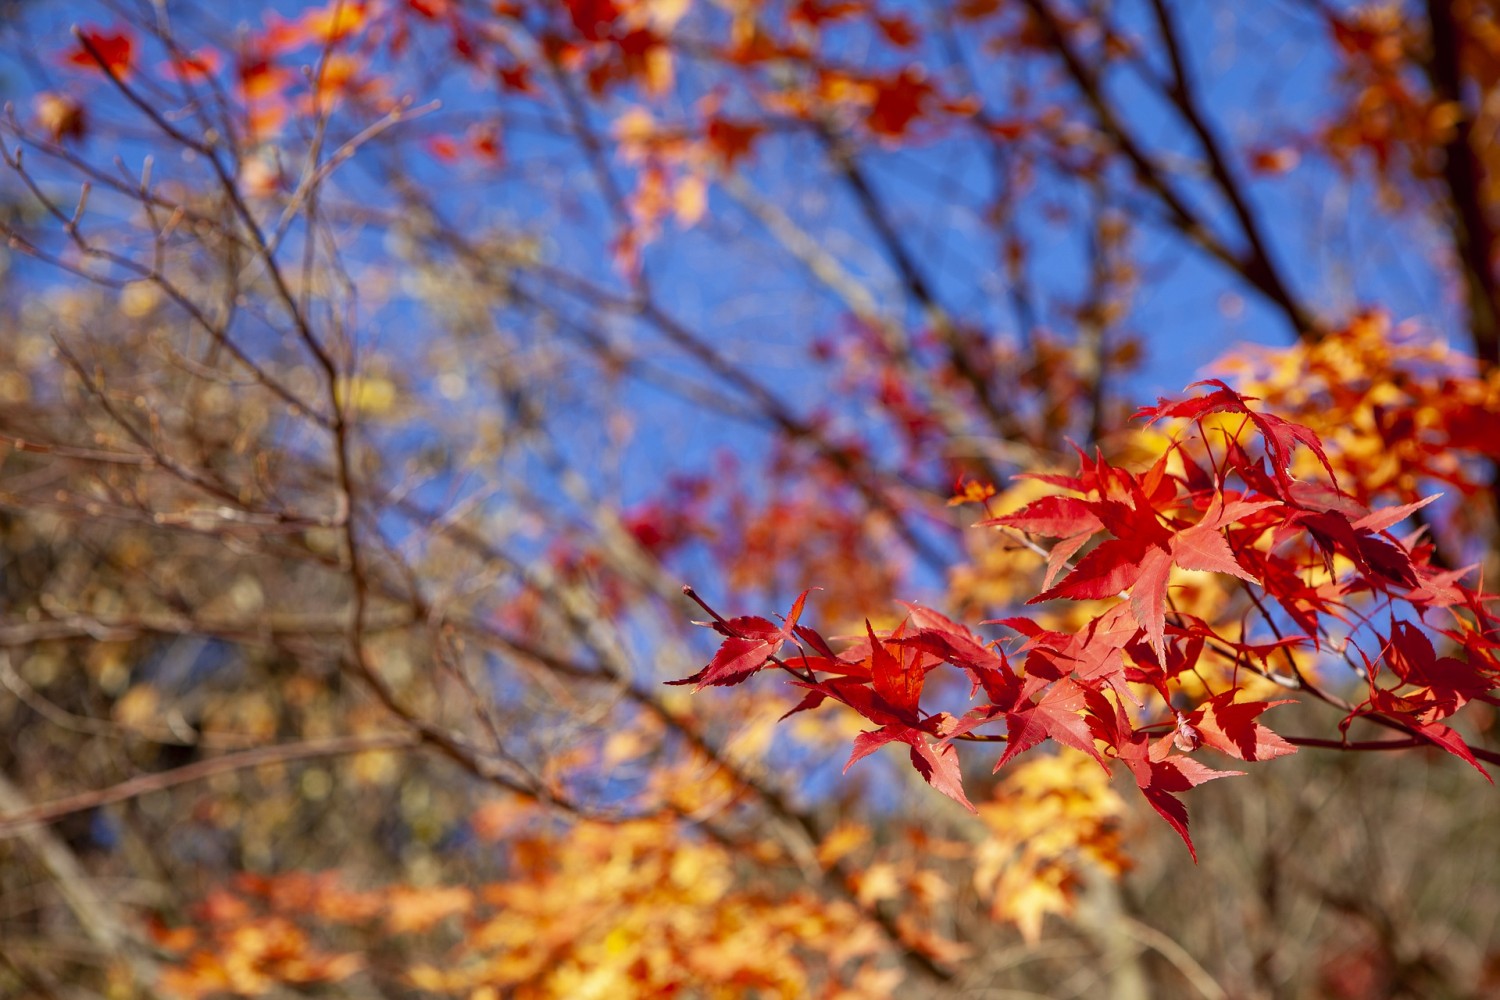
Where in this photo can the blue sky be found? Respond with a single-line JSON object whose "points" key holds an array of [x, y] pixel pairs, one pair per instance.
{"points": [[1265, 78]]}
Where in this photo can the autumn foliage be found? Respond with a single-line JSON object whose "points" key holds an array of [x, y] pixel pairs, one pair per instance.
{"points": [[374, 374], [1331, 570]]}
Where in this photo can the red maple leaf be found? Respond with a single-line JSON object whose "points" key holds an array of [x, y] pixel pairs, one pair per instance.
{"points": [[731, 141], [899, 100], [1093, 656], [749, 644], [952, 643], [1139, 559], [897, 677], [1160, 780], [1159, 776], [516, 79], [1445, 737], [1414, 715], [1379, 520], [1231, 728], [114, 51], [1281, 436], [937, 763], [430, 9], [1203, 546], [815, 12], [1055, 715], [1051, 517], [898, 31]]}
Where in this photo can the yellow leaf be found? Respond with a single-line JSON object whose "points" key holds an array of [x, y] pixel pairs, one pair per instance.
{"points": [[411, 910], [877, 882], [690, 199], [658, 70], [842, 840]]}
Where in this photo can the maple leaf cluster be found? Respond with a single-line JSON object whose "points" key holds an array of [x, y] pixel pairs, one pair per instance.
{"points": [[1316, 568], [1397, 411]]}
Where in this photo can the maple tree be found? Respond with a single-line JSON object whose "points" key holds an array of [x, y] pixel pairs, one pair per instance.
{"points": [[374, 373]]}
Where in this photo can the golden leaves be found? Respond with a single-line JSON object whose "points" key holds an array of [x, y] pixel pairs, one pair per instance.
{"points": [[1390, 402], [1052, 818], [592, 909]]}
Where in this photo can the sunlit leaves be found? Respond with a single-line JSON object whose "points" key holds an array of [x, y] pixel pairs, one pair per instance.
{"points": [[633, 908], [1262, 531], [1230, 727], [1053, 822]]}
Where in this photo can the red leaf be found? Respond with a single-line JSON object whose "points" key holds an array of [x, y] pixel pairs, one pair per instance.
{"points": [[972, 720], [750, 641], [897, 681], [1107, 571], [897, 30], [115, 52], [1387, 561], [516, 79], [1140, 558], [730, 141], [813, 639], [1281, 436], [857, 694], [594, 19], [1231, 728], [442, 148], [899, 100], [938, 764], [1159, 779], [735, 661], [1096, 651], [1052, 517], [750, 627], [1194, 407], [1202, 547], [1148, 598], [1379, 520], [1440, 735], [868, 742], [815, 12], [1057, 559], [809, 701], [756, 627], [1055, 715], [955, 644], [1438, 685], [796, 612], [1157, 775]]}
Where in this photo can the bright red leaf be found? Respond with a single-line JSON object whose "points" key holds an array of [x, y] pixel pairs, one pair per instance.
{"points": [[98, 49], [1231, 728]]}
